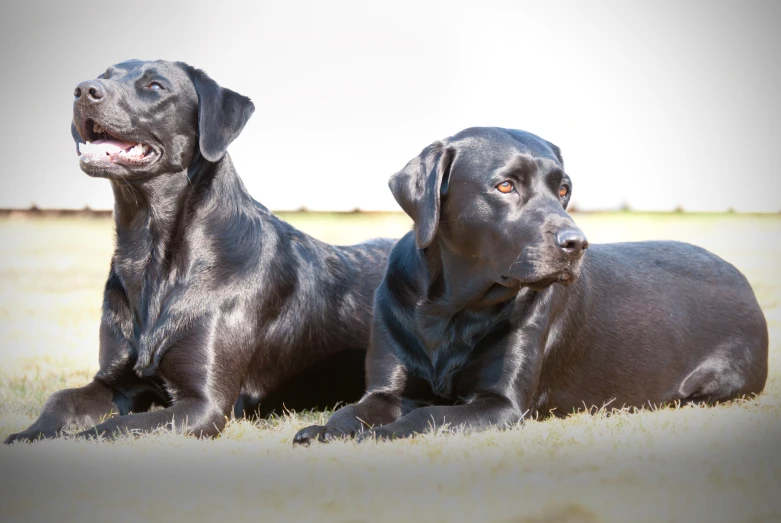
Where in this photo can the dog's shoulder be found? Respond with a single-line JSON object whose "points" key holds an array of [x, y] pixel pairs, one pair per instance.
{"points": [[406, 269], [403, 287]]}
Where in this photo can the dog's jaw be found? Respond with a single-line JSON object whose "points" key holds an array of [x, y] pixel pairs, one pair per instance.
{"points": [[540, 280], [100, 145], [107, 153]]}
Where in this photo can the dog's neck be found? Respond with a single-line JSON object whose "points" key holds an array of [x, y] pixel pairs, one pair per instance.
{"points": [[157, 203], [154, 201], [149, 205], [461, 283], [153, 216], [462, 304]]}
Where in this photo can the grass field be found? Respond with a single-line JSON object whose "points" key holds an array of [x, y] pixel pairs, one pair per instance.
{"points": [[688, 464]]}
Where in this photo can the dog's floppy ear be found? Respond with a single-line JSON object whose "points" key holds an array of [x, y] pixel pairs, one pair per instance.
{"points": [[222, 114], [556, 151], [419, 186]]}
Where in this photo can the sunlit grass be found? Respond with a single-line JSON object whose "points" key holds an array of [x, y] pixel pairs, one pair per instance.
{"points": [[675, 464]]}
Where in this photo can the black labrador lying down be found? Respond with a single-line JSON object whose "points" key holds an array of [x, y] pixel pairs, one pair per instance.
{"points": [[211, 301], [495, 306]]}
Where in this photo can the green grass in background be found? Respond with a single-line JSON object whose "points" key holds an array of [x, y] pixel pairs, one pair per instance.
{"points": [[689, 464]]}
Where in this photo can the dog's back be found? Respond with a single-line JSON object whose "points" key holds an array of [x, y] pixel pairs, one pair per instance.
{"points": [[314, 305]]}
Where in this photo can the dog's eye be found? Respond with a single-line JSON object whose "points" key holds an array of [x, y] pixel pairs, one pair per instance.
{"points": [[505, 187], [563, 191], [156, 86]]}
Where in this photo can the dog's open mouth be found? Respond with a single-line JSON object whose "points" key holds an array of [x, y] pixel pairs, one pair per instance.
{"points": [[102, 145]]}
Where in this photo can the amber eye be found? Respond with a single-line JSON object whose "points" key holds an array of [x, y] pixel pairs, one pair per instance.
{"points": [[505, 187], [563, 191]]}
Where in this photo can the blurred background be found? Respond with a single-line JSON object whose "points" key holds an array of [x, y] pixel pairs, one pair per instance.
{"points": [[657, 106]]}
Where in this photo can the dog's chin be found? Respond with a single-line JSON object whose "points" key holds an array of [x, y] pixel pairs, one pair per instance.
{"points": [[565, 277], [119, 168]]}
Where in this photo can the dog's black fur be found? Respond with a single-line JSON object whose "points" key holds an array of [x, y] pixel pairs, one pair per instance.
{"points": [[211, 302], [492, 307]]}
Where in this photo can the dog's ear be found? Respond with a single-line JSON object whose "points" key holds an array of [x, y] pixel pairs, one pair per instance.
{"points": [[419, 187], [557, 152], [222, 114]]}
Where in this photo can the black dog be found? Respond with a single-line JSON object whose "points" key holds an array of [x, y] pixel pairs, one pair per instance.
{"points": [[211, 302], [493, 307]]}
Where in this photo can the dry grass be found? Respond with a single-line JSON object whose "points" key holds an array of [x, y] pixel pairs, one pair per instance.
{"points": [[689, 464]]}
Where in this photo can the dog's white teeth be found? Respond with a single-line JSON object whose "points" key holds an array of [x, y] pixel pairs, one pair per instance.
{"points": [[137, 150], [86, 149], [98, 128]]}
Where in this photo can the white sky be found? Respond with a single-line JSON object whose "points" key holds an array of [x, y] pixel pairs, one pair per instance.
{"points": [[655, 105]]}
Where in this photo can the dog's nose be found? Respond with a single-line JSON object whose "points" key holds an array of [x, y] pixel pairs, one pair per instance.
{"points": [[572, 241], [90, 91]]}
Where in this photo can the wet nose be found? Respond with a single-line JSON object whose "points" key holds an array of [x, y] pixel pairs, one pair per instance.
{"points": [[572, 241], [90, 91]]}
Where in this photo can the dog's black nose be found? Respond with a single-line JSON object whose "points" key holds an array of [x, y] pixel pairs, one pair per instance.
{"points": [[90, 91], [572, 241]]}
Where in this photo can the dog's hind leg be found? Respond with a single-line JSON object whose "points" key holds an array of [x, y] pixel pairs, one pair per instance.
{"points": [[714, 380]]}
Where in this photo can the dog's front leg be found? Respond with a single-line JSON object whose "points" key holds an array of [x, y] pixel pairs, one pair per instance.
{"points": [[496, 400], [80, 406], [382, 403], [484, 412], [203, 372], [374, 409], [85, 406], [190, 416]]}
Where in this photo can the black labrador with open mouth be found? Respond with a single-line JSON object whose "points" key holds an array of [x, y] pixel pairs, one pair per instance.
{"points": [[212, 303], [496, 306]]}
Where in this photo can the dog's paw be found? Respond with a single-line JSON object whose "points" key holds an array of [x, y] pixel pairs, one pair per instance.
{"points": [[29, 436], [307, 435], [13, 438], [317, 433]]}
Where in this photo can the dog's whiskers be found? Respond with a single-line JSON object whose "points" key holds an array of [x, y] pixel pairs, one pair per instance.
{"points": [[131, 189]]}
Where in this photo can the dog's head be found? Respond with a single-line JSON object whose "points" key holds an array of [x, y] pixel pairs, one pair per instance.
{"points": [[496, 198], [142, 119]]}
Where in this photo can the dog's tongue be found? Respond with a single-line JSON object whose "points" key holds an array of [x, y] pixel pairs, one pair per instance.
{"points": [[104, 147]]}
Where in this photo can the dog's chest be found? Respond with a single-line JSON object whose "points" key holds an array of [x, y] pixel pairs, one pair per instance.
{"points": [[449, 345], [152, 298], [147, 293]]}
